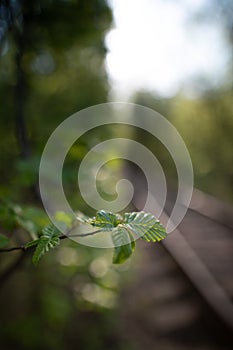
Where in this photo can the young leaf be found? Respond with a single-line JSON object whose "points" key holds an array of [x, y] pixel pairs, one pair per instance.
{"points": [[48, 240], [3, 241], [50, 231], [43, 246], [105, 220], [32, 243], [145, 226], [123, 246]]}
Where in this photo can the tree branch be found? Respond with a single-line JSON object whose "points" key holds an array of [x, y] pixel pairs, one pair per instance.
{"points": [[81, 234], [24, 247]]}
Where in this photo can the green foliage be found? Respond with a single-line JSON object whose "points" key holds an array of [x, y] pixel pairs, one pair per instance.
{"points": [[105, 220], [62, 51], [210, 156], [145, 225], [3, 241], [142, 225], [30, 219], [124, 231], [123, 245], [48, 240]]}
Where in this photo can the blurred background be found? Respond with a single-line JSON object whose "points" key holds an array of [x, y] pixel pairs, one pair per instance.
{"points": [[58, 57]]}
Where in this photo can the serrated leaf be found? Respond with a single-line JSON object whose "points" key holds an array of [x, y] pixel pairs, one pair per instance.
{"points": [[123, 246], [105, 220], [3, 241], [144, 225], [32, 243], [48, 240], [50, 231], [133, 243], [43, 246]]}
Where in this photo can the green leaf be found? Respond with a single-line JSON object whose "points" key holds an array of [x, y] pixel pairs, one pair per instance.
{"points": [[43, 246], [48, 240], [123, 231], [123, 246], [50, 231], [105, 220], [32, 243], [3, 241], [133, 244], [144, 225]]}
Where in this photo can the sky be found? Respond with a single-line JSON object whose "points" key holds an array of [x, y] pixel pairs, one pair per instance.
{"points": [[155, 46]]}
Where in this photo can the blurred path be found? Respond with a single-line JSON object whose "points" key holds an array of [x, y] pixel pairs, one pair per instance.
{"points": [[182, 291]]}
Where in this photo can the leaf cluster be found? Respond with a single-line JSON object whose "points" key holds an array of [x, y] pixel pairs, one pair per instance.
{"points": [[124, 231]]}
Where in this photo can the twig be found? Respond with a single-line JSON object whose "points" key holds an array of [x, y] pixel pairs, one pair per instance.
{"points": [[24, 247], [81, 234]]}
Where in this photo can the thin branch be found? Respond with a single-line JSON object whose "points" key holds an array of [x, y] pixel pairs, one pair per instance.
{"points": [[24, 247], [72, 227], [81, 234]]}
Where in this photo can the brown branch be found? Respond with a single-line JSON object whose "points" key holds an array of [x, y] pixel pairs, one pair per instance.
{"points": [[22, 247]]}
